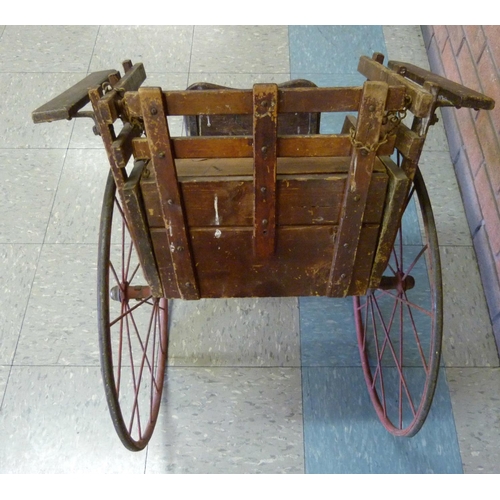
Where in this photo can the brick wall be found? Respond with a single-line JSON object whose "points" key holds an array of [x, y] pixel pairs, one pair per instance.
{"points": [[471, 55]]}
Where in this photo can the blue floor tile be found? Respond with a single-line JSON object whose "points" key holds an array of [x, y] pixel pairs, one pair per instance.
{"points": [[332, 49], [343, 435]]}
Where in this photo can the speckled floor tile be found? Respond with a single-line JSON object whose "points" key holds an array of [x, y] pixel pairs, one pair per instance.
{"points": [[476, 407], [327, 332], [240, 49], [60, 326], [343, 435], [29, 182], [17, 270], [77, 205], [238, 80], [467, 335], [55, 421], [50, 49], [218, 420], [4, 375], [235, 332], [159, 48], [446, 201], [22, 94], [332, 49], [405, 43]]}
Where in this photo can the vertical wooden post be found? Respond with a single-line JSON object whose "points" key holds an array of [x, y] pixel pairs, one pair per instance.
{"points": [[163, 164], [365, 143], [265, 132]]}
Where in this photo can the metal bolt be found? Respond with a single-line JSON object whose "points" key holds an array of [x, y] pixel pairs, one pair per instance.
{"points": [[364, 152], [264, 104], [170, 202], [180, 249], [154, 111], [264, 222], [371, 108], [357, 197], [264, 149], [263, 189], [346, 245], [342, 276], [161, 154]]}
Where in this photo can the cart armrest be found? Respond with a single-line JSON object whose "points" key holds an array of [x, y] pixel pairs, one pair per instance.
{"points": [[456, 94], [66, 105]]}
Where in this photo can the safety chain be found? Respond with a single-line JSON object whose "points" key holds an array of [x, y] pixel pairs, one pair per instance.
{"points": [[393, 117]]}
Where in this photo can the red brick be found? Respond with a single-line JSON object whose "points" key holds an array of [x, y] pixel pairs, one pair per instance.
{"points": [[450, 64], [489, 209], [490, 83], [492, 34], [490, 146], [470, 139], [441, 36], [476, 40], [456, 36], [467, 69]]}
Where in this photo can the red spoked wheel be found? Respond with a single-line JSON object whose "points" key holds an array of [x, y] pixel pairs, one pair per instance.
{"points": [[399, 325], [133, 330]]}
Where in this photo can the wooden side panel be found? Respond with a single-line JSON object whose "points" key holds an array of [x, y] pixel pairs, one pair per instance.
{"points": [[397, 191], [301, 200], [227, 267]]}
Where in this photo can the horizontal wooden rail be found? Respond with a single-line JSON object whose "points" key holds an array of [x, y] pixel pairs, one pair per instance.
{"points": [[241, 146], [234, 102]]}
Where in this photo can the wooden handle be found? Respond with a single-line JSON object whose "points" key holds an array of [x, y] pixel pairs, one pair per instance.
{"points": [[456, 94], [66, 105]]}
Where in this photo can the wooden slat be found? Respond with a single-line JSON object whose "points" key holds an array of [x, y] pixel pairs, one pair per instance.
{"points": [[367, 134], [265, 131], [122, 146], [290, 100], [241, 147], [163, 165]]}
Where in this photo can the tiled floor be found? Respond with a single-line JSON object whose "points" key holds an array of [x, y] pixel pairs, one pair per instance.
{"points": [[267, 385]]}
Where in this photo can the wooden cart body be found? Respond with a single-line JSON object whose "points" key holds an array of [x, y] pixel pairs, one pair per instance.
{"points": [[255, 202]]}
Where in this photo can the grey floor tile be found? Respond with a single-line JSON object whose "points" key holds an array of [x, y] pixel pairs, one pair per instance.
{"points": [[476, 407], [405, 43], [22, 94], [235, 332], [60, 326], [343, 435], [467, 335], [240, 49], [218, 420], [17, 270], [29, 183], [4, 375], [238, 80], [55, 421], [50, 49], [77, 205], [159, 48], [446, 201]]}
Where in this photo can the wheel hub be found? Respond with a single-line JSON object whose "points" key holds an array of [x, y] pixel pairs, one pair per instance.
{"points": [[125, 292]]}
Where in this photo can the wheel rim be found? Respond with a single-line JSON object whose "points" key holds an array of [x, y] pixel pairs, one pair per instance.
{"points": [[399, 326], [133, 330]]}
